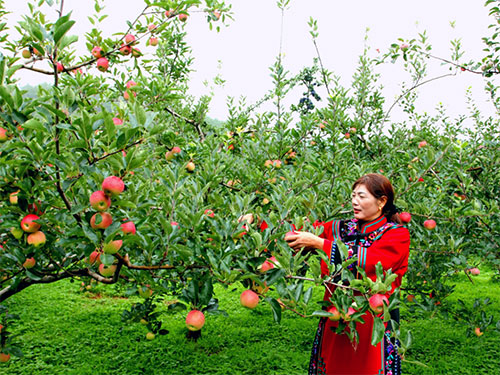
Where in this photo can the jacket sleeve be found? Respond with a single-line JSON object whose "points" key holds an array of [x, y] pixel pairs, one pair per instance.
{"points": [[392, 250], [330, 234]]}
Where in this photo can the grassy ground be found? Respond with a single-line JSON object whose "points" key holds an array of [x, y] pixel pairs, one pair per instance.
{"points": [[67, 332]]}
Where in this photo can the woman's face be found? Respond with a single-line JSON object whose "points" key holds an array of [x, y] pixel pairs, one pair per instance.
{"points": [[366, 207]]}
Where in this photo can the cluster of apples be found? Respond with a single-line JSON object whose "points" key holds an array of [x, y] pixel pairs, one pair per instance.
{"points": [[100, 201], [272, 163]]}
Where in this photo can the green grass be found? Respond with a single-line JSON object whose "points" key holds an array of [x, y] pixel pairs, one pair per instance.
{"points": [[67, 332]]}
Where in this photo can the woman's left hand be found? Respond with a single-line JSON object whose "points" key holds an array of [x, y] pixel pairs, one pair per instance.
{"points": [[304, 240]]}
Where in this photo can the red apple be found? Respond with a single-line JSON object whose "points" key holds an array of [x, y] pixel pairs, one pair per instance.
{"points": [[422, 144], [216, 14], [125, 50], [128, 227], [404, 47], [347, 316], [151, 27], [29, 263], [183, 17], [59, 67], [37, 238], [430, 224], [209, 213], [102, 64], [97, 52], [474, 271], [28, 223], [136, 52], [336, 313], [100, 201], [113, 185], [478, 332], [153, 41], [106, 220], [169, 13], [353, 130], [405, 217], [176, 150], [95, 257], [377, 303], [195, 320], [249, 299], [174, 223], [117, 121], [129, 38], [190, 166], [4, 357], [410, 298], [3, 135], [107, 271], [13, 197], [26, 53], [268, 264], [112, 247], [347, 135]]}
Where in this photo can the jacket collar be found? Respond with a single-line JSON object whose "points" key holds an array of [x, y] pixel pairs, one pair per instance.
{"points": [[370, 226]]}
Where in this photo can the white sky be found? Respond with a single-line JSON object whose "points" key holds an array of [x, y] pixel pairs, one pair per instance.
{"points": [[249, 46]]}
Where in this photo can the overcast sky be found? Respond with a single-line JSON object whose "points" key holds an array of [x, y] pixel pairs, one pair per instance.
{"points": [[243, 52]]}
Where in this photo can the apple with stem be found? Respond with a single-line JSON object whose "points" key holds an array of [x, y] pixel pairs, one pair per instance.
{"points": [[102, 64], [28, 223], [97, 52], [405, 217], [183, 17], [153, 41], [429, 224], [195, 320], [100, 201], [129, 38], [125, 50], [95, 257], [377, 302], [107, 271], [268, 264], [190, 166]]}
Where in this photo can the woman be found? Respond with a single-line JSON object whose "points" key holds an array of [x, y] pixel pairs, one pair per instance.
{"points": [[373, 235]]}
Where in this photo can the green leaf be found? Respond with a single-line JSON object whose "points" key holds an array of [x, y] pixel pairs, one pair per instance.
{"points": [[378, 331], [32, 276], [2, 69], [276, 308], [4, 93], [34, 124], [61, 30], [321, 313], [308, 295], [140, 114]]}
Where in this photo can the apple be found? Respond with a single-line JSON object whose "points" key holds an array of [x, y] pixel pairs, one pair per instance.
{"points": [[353, 130], [249, 299], [144, 322], [478, 332], [216, 14], [129, 38], [28, 223], [125, 50], [117, 121], [268, 264], [474, 271], [136, 52], [145, 292], [290, 233], [107, 271], [322, 124], [29, 263], [26, 53], [1, 327], [34, 208], [4, 357], [277, 163], [95, 257], [265, 201], [128, 227], [348, 314], [153, 41], [257, 288], [151, 27], [268, 163], [336, 313], [422, 144], [17, 233], [405, 217], [347, 135], [106, 220], [195, 320], [59, 67], [97, 52], [190, 166], [37, 239], [3, 135], [13, 197], [174, 223], [112, 247], [410, 298], [169, 13], [100, 201], [176, 150], [150, 336], [102, 64], [404, 47], [377, 302], [113, 185], [430, 224], [183, 17], [130, 84], [209, 213]]}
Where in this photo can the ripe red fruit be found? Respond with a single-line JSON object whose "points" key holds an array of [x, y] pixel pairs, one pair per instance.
{"points": [[268, 264], [100, 201], [249, 299], [169, 13], [153, 41], [26, 53], [107, 271], [410, 298], [60, 67], [336, 313], [377, 302], [3, 135], [183, 17], [422, 144], [129, 38], [112, 247], [106, 220], [478, 332], [117, 121], [97, 52], [176, 150], [102, 64], [474, 271], [209, 213], [128, 227], [405, 217], [95, 257], [347, 135], [29, 263], [125, 50], [190, 166], [136, 52], [195, 320], [36, 239], [348, 315], [4, 357], [151, 26], [28, 223], [404, 47], [430, 224], [174, 223], [13, 197], [113, 185]]}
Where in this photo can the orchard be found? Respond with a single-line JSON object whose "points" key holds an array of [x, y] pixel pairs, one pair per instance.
{"points": [[112, 174]]}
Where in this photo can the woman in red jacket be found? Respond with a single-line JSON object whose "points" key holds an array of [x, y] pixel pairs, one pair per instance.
{"points": [[373, 235]]}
